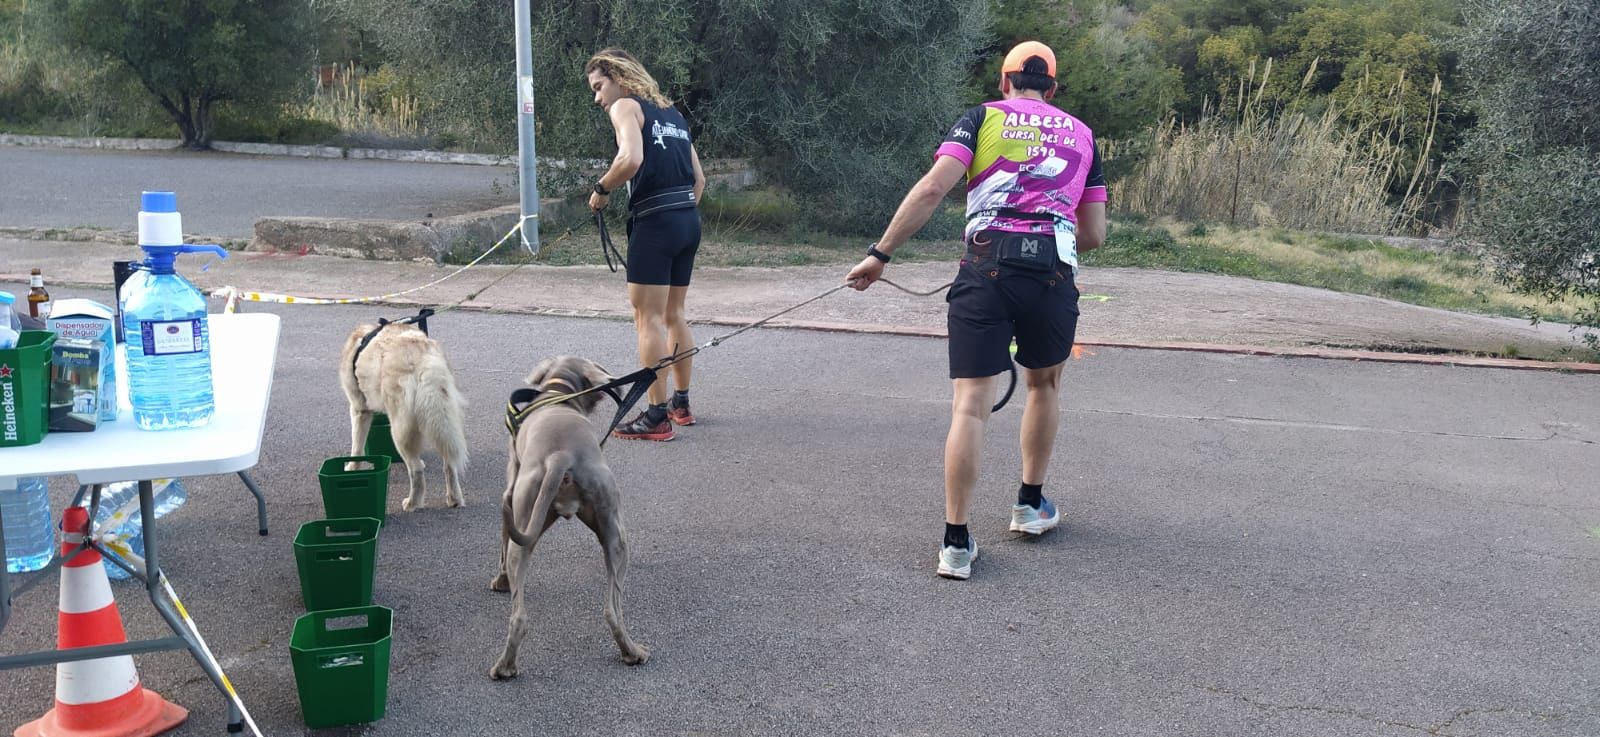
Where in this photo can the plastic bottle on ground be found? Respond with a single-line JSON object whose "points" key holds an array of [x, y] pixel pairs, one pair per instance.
{"points": [[29, 528], [123, 497]]}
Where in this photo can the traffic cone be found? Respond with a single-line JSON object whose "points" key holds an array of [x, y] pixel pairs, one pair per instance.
{"points": [[100, 697]]}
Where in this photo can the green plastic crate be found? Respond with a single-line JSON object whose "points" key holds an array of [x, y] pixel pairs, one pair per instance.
{"points": [[341, 665], [336, 558], [25, 389], [380, 442], [362, 492]]}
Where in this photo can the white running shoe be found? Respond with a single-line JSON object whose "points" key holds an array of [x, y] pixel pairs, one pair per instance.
{"points": [[1034, 521], [956, 562]]}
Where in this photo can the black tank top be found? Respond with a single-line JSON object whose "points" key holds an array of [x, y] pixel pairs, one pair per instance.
{"points": [[667, 162]]}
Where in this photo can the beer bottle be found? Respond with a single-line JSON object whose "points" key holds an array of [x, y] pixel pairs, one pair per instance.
{"points": [[38, 298]]}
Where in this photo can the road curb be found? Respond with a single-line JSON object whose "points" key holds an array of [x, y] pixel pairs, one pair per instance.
{"points": [[912, 331]]}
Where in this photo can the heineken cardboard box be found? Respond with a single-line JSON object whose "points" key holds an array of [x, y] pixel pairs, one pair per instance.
{"points": [[77, 371], [82, 319]]}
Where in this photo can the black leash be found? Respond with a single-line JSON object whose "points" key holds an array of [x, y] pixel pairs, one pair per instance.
{"points": [[607, 248], [690, 352]]}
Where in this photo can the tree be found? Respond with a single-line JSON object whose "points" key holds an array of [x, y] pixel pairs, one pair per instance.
{"points": [[841, 102], [1532, 162], [192, 55]]}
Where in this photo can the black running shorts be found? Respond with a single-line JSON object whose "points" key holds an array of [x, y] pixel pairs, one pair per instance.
{"points": [[989, 308], [662, 245]]}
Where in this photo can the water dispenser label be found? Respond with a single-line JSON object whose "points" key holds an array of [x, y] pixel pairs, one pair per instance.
{"points": [[170, 338]]}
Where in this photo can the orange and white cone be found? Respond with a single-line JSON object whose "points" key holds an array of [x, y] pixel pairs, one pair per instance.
{"points": [[100, 697]]}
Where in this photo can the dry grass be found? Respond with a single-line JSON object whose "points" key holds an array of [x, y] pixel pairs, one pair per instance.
{"points": [[1254, 167], [352, 104], [1355, 265]]}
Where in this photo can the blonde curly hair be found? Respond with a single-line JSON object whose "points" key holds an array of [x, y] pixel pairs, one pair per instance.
{"points": [[628, 73]]}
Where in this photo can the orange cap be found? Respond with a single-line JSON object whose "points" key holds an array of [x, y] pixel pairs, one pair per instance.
{"points": [[1022, 52]]}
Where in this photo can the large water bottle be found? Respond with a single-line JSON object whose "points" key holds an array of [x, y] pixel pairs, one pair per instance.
{"points": [[118, 515], [30, 532], [164, 326], [10, 323]]}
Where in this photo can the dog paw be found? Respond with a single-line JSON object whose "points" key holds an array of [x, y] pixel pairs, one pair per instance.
{"points": [[503, 671], [639, 656], [410, 506], [500, 583], [456, 502]]}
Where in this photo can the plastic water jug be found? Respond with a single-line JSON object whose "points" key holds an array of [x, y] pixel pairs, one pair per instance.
{"points": [[10, 324], [164, 326], [118, 515], [29, 528]]}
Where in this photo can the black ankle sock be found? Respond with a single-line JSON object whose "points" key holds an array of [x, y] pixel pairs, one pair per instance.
{"points": [[655, 413], [955, 536], [1031, 495], [681, 395]]}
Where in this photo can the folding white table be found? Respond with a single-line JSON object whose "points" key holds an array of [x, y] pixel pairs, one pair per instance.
{"points": [[243, 353]]}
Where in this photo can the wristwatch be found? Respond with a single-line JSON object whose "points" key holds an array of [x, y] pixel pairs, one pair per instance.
{"points": [[600, 189], [873, 251]]}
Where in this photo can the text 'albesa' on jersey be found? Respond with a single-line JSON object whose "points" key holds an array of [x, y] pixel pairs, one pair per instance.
{"points": [[1029, 165]]}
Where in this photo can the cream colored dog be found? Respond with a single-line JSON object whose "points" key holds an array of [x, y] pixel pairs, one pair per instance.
{"points": [[402, 373]]}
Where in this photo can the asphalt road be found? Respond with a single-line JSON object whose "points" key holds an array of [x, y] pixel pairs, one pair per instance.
{"points": [[1253, 546], [221, 195]]}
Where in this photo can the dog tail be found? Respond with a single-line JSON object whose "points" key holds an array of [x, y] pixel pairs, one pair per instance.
{"points": [[555, 469], [440, 408]]}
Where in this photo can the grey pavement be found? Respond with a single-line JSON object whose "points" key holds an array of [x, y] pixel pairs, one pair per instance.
{"points": [[1253, 546], [221, 195]]}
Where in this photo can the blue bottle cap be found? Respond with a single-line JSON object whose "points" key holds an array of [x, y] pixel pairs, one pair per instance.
{"points": [[158, 202], [7, 298]]}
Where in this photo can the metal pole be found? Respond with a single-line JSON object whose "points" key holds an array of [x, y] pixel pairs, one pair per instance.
{"points": [[526, 173]]}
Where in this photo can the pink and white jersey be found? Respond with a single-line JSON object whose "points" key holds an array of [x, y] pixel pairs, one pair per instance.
{"points": [[1028, 164]]}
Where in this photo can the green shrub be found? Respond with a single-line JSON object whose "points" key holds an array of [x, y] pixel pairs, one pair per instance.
{"points": [[264, 128], [751, 209], [1140, 238]]}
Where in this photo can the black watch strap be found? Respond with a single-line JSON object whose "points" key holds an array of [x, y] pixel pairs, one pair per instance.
{"points": [[873, 251], [600, 189]]}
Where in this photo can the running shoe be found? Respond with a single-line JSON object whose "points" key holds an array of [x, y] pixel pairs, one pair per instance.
{"points": [[956, 562], [678, 411], [640, 428], [1034, 521]]}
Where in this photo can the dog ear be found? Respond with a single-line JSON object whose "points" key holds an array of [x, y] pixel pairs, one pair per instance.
{"points": [[540, 371], [595, 373]]}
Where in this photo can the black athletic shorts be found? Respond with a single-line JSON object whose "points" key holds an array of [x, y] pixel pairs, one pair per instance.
{"points": [[662, 245], [989, 308]]}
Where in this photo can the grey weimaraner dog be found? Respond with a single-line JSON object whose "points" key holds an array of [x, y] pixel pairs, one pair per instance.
{"points": [[556, 469]]}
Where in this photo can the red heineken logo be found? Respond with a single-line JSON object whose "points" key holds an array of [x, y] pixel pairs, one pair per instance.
{"points": [[5, 371]]}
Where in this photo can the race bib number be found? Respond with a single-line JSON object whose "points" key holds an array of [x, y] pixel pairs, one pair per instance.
{"points": [[1067, 244], [170, 338]]}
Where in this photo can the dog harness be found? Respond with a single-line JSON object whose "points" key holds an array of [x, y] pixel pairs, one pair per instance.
{"points": [[526, 400], [420, 320]]}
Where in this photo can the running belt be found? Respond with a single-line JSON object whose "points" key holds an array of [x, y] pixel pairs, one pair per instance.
{"points": [[672, 198]]}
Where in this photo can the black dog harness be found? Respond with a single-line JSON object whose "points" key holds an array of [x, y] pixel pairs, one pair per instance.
{"points": [[526, 400], [420, 320]]}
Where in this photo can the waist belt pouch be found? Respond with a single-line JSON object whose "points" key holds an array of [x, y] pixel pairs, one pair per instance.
{"points": [[1026, 251], [668, 199]]}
